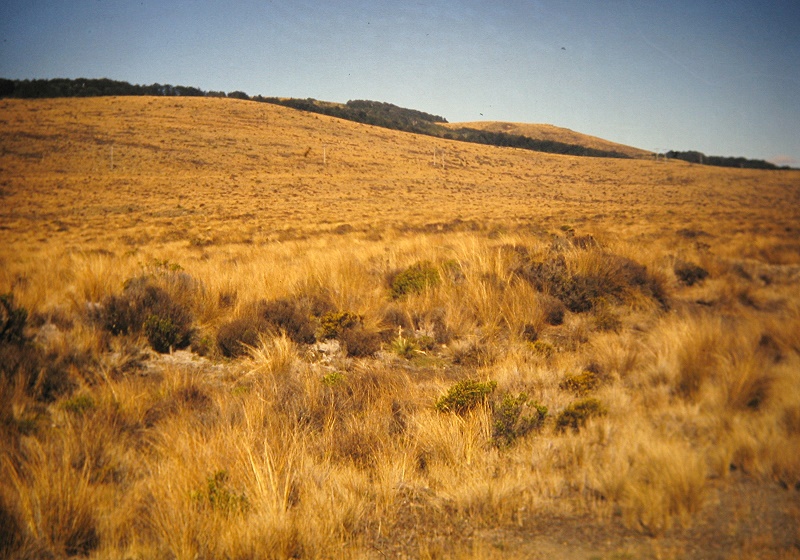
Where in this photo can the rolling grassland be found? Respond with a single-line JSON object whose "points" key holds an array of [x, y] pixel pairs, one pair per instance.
{"points": [[236, 330]]}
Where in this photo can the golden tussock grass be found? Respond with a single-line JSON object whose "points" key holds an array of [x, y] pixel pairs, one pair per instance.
{"points": [[308, 315]]}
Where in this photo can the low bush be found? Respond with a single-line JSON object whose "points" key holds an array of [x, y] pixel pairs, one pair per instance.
{"points": [[235, 336], [414, 279], [218, 496], [465, 395], [578, 413], [360, 342], [689, 274], [541, 348], [473, 354], [611, 277], [148, 308], [163, 334], [12, 320], [294, 317], [515, 417], [581, 383], [290, 316], [333, 323]]}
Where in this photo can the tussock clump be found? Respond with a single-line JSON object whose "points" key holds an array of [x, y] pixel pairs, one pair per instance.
{"points": [[578, 413]]}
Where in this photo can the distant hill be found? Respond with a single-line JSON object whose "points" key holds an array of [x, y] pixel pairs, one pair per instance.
{"points": [[535, 137], [548, 132]]}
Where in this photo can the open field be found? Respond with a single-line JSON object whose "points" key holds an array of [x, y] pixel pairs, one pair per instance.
{"points": [[373, 344]]}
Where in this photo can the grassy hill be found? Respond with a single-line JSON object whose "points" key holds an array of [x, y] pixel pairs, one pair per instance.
{"points": [[235, 329], [552, 133]]}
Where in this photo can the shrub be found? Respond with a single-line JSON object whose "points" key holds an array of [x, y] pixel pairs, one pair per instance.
{"points": [[235, 336], [332, 324], [580, 383], [510, 422], [79, 404], [578, 413], [163, 334], [544, 349], [530, 333], [143, 306], [289, 316], [579, 292], [333, 378], [360, 342], [553, 310], [689, 274], [12, 320], [605, 319], [414, 279], [465, 396], [216, 495], [473, 355]]}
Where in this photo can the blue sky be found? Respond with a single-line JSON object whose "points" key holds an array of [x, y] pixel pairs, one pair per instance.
{"points": [[719, 77]]}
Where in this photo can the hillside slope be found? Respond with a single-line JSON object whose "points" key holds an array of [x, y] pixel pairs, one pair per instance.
{"points": [[190, 167], [553, 133]]}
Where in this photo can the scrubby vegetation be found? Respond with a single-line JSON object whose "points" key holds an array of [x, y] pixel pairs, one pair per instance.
{"points": [[445, 388]]}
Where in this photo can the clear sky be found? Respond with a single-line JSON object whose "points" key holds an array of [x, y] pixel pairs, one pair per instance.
{"points": [[722, 77]]}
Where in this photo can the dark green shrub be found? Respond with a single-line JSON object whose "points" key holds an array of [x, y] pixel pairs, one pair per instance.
{"points": [[578, 413], [414, 279], [163, 334], [690, 274], [465, 396], [515, 417], [12, 320]]}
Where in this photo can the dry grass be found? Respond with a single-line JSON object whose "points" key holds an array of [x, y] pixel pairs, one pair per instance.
{"points": [[555, 277]]}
